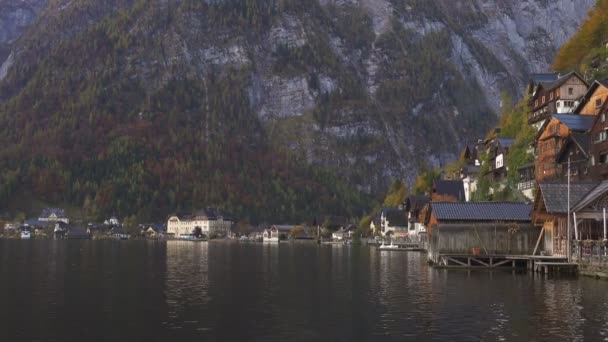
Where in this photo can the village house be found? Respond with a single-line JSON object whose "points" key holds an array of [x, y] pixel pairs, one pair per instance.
{"points": [[574, 154], [413, 206], [551, 212], [448, 191], [153, 230], [551, 138], [77, 233], [598, 150], [561, 96], [527, 180], [592, 102], [498, 150], [471, 166], [589, 215], [112, 221], [209, 220], [343, 233], [487, 228], [538, 78], [393, 221], [53, 215]]}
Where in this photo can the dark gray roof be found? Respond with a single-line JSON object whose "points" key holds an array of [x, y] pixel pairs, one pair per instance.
{"points": [[544, 77], [481, 211], [580, 139], [453, 188], [506, 142], [561, 80], [47, 212], [593, 195], [575, 122], [396, 217], [555, 194], [416, 202]]}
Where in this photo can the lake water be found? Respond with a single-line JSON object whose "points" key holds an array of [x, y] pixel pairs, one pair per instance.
{"points": [[219, 291]]}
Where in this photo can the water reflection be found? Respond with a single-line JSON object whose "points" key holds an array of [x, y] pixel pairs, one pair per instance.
{"points": [[187, 284], [108, 291]]}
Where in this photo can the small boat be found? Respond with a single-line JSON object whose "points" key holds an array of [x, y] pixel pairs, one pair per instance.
{"points": [[393, 247], [190, 237], [26, 235]]}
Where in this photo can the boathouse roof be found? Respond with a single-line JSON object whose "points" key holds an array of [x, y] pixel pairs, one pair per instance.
{"points": [[594, 195], [481, 211], [555, 195]]}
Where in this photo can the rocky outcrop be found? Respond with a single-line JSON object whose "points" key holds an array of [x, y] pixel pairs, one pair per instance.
{"points": [[373, 98]]}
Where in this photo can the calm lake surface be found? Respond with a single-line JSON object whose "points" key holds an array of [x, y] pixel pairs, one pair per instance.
{"points": [[189, 291]]}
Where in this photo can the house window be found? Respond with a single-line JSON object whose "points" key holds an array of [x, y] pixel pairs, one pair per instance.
{"points": [[601, 136], [543, 99], [603, 158], [536, 103], [570, 91], [551, 96], [603, 117], [557, 104]]}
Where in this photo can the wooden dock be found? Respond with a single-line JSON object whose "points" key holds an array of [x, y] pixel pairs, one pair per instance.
{"points": [[537, 263]]}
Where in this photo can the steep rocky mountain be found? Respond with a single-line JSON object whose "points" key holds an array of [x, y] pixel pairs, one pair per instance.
{"points": [[367, 89], [15, 17]]}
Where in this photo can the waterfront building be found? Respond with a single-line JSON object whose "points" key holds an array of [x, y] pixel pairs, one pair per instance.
{"points": [[551, 212], [209, 220], [491, 228], [413, 206], [393, 221], [53, 215]]}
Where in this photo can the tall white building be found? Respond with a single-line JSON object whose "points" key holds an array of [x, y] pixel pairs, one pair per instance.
{"points": [[209, 220]]}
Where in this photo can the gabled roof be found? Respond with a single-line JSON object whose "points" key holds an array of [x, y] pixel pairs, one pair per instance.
{"points": [[506, 142], [555, 195], [396, 217], [544, 77], [592, 196], [416, 202], [454, 188], [575, 122], [47, 212], [581, 140], [563, 79], [592, 88], [481, 211]]}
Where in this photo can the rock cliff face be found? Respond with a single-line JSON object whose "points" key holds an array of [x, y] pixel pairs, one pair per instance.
{"points": [[15, 17], [370, 88]]}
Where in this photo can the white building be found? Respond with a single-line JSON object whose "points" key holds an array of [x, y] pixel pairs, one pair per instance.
{"points": [[53, 215], [209, 220], [393, 221]]}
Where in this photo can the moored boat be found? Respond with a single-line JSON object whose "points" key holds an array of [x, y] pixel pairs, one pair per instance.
{"points": [[26, 235]]}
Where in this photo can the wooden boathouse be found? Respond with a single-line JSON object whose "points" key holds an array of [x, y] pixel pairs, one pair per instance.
{"points": [[483, 234]]}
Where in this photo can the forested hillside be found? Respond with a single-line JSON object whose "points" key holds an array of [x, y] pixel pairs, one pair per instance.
{"points": [[586, 52]]}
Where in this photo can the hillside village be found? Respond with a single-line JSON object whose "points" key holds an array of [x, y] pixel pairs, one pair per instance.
{"points": [[490, 187]]}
